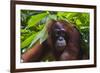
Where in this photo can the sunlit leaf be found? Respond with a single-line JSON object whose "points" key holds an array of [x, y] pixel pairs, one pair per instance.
{"points": [[34, 40], [84, 27], [35, 19], [78, 22], [24, 31], [27, 41], [41, 36], [54, 17]]}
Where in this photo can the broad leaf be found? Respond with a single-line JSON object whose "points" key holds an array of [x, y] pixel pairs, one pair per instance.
{"points": [[27, 41], [41, 36], [35, 19]]}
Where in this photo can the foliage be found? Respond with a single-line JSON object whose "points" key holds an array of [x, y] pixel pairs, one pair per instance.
{"points": [[33, 25]]}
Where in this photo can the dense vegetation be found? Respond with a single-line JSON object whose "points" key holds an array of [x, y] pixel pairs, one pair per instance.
{"points": [[33, 26]]}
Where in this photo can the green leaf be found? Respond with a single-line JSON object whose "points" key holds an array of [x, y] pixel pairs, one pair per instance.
{"points": [[84, 27], [40, 27], [34, 40], [53, 16], [78, 22], [35, 19], [41, 36], [24, 31], [27, 41]]}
